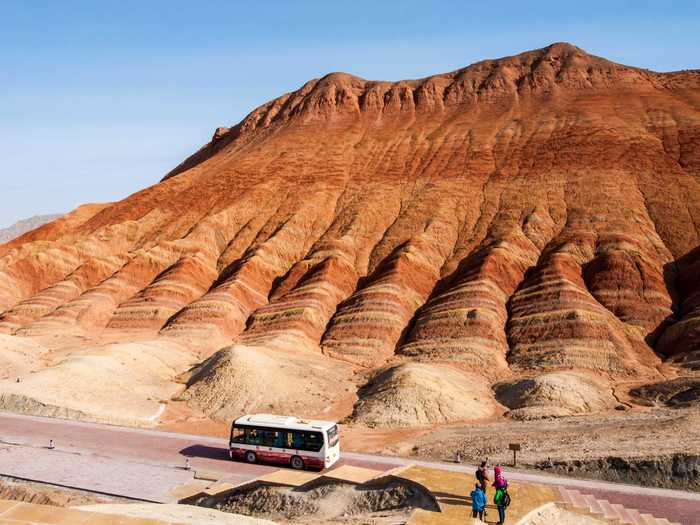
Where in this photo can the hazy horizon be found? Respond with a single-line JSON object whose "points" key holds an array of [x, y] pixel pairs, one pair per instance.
{"points": [[101, 100]]}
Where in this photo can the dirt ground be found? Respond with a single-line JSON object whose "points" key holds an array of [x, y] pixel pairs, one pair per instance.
{"points": [[639, 434], [659, 447]]}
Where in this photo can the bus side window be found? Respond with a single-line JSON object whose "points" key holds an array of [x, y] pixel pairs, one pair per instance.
{"points": [[289, 440], [252, 436], [270, 438], [314, 441], [238, 435], [297, 439]]}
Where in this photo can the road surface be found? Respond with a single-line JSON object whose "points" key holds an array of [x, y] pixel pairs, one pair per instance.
{"points": [[148, 464]]}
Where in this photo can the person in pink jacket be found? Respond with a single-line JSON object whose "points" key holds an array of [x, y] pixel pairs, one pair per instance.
{"points": [[500, 482], [501, 499]]}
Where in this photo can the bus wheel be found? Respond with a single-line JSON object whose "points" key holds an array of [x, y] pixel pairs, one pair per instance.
{"points": [[297, 463], [250, 457]]}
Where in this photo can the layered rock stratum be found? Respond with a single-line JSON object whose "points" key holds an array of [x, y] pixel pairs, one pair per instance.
{"points": [[525, 223]]}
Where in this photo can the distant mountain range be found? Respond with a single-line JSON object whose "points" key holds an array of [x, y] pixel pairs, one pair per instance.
{"points": [[25, 225]]}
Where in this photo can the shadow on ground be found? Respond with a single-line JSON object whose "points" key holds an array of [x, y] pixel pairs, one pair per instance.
{"points": [[204, 451]]}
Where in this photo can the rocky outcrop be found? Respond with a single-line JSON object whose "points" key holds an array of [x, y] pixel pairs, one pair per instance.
{"points": [[678, 471], [681, 338], [676, 393]]}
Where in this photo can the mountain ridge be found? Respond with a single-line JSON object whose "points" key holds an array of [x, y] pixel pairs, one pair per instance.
{"points": [[527, 224], [266, 112], [22, 226]]}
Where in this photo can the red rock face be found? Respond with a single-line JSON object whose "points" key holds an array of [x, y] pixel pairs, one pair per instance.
{"points": [[534, 212], [681, 337]]}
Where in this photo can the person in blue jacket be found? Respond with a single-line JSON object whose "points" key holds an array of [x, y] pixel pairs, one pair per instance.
{"points": [[479, 501]]}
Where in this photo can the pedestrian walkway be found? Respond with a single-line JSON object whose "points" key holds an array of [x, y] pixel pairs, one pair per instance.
{"points": [[136, 480], [451, 491], [285, 478]]}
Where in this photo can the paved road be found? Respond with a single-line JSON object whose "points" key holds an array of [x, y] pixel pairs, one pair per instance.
{"points": [[135, 463], [147, 464]]}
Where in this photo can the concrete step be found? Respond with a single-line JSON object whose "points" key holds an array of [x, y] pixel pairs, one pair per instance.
{"points": [[611, 511], [648, 519], [635, 517], [579, 499], [608, 510], [624, 516], [565, 495], [593, 504]]}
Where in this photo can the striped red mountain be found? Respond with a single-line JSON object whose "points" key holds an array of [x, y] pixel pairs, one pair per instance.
{"points": [[534, 218]]}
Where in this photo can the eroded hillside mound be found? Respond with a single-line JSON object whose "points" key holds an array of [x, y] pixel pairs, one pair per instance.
{"points": [[416, 394], [555, 394], [532, 214]]}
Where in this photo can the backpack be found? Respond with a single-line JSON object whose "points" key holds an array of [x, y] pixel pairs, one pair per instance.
{"points": [[479, 475], [502, 498]]}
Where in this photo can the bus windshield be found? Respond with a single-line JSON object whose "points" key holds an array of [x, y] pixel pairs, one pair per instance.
{"points": [[333, 436]]}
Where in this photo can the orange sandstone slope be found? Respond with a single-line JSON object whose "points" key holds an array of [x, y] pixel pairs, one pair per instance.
{"points": [[527, 216]]}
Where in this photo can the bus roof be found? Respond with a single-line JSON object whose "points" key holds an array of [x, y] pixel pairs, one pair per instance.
{"points": [[291, 422]]}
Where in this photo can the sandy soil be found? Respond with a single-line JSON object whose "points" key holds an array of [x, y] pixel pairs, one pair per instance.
{"points": [[19, 356], [95, 377], [185, 514]]}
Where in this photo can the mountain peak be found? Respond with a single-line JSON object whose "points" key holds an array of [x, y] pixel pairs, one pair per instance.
{"points": [[557, 68]]}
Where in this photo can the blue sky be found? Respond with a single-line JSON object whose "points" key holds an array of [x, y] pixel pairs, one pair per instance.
{"points": [[101, 99]]}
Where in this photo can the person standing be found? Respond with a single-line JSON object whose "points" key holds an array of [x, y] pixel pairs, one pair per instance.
{"points": [[499, 479], [479, 501], [501, 498], [482, 475]]}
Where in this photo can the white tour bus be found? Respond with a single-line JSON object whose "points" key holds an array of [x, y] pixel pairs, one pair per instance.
{"points": [[301, 443]]}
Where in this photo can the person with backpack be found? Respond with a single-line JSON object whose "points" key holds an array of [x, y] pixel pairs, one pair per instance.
{"points": [[479, 501], [482, 476], [499, 479], [501, 498]]}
